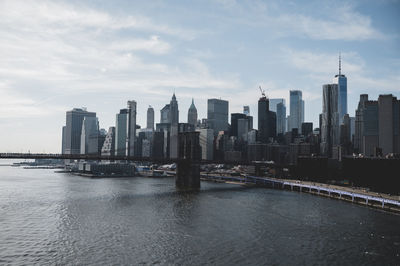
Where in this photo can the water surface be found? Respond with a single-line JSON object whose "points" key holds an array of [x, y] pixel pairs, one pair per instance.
{"points": [[54, 218]]}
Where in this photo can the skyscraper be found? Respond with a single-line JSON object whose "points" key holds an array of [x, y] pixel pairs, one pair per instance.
{"points": [[389, 124], [234, 123], [64, 128], [341, 81], [273, 103], [131, 126], [192, 114], [89, 135], [296, 116], [246, 110], [164, 114], [280, 118], [108, 148], [217, 115], [121, 131], [266, 121], [73, 129], [359, 124], [329, 119], [370, 128], [174, 118], [150, 117]]}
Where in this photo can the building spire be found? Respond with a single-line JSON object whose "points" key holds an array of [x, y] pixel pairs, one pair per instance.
{"points": [[340, 65]]}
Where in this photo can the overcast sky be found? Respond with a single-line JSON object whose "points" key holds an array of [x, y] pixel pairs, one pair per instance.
{"points": [[57, 55]]}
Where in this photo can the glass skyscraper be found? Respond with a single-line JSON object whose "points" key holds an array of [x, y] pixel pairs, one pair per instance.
{"points": [[296, 117], [217, 115], [278, 106], [73, 129], [341, 81]]}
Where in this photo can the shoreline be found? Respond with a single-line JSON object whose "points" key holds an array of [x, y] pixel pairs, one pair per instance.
{"points": [[357, 196]]}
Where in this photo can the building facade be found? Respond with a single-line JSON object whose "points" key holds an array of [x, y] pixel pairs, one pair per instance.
{"points": [[266, 121], [73, 129], [217, 115], [150, 118], [90, 136], [164, 115], [131, 126], [296, 116], [341, 81], [108, 148], [174, 133], [329, 119], [121, 122], [280, 118], [359, 124], [206, 139], [192, 114]]}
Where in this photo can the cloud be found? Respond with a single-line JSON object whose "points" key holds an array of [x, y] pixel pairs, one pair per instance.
{"points": [[57, 17], [326, 22], [341, 23], [16, 105], [152, 45], [322, 63]]}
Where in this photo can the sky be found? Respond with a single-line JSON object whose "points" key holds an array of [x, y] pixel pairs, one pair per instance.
{"points": [[57, 55]]}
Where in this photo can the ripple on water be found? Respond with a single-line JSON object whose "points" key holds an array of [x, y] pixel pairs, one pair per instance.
{"points": [[62, 219]]}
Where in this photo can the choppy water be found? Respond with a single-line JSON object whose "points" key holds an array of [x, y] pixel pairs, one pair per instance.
{"points": [[53, 218]]}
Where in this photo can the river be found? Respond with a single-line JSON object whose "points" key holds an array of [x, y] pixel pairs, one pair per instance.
{"points": [[56, 218]]}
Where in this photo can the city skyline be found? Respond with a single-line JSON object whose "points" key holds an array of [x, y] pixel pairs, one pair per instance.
{"points": [[44, 74]]}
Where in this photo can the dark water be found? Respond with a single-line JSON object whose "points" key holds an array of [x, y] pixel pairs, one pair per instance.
{"points": [[50, 218]]}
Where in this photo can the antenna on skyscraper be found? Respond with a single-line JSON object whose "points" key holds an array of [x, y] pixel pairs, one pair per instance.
{"points": [[262, 92], [340, 64]]}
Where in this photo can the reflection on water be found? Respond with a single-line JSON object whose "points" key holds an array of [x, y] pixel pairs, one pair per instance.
{"points": [[52, 218]]}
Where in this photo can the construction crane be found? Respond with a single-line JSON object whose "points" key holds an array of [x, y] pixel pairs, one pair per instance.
{"points": [[262, 92]]}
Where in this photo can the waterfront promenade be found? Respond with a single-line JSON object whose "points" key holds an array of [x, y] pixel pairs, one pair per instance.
{"points": [[356, 195]]}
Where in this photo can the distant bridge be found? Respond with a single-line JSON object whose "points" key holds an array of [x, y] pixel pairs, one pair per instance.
{"points": [[97, 157], [187, 169]]}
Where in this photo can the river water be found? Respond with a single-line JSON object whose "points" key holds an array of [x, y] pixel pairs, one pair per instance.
{"points": [[54, 218]]}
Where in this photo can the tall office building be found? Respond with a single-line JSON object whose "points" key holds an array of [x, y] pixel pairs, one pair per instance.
{"points": [[381, 126], [242, 128], [207, 143], [389, 124], [192, 114], [266, 121], [73, 129], [341, 81], [108, 148], [121, 131], [329, 119], [64, 128], [296, 116], [90, 136], [150, 118], [370, 139], [281, 118], [273, 103], [278, 106], [217, 115], [174, 118], [359, 124], [131, 127], [164, 114], [234, 123], [306, 129], [246, 110]]}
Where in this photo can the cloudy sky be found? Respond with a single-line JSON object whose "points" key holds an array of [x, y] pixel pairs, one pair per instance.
{"points": [[56, 55]]}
